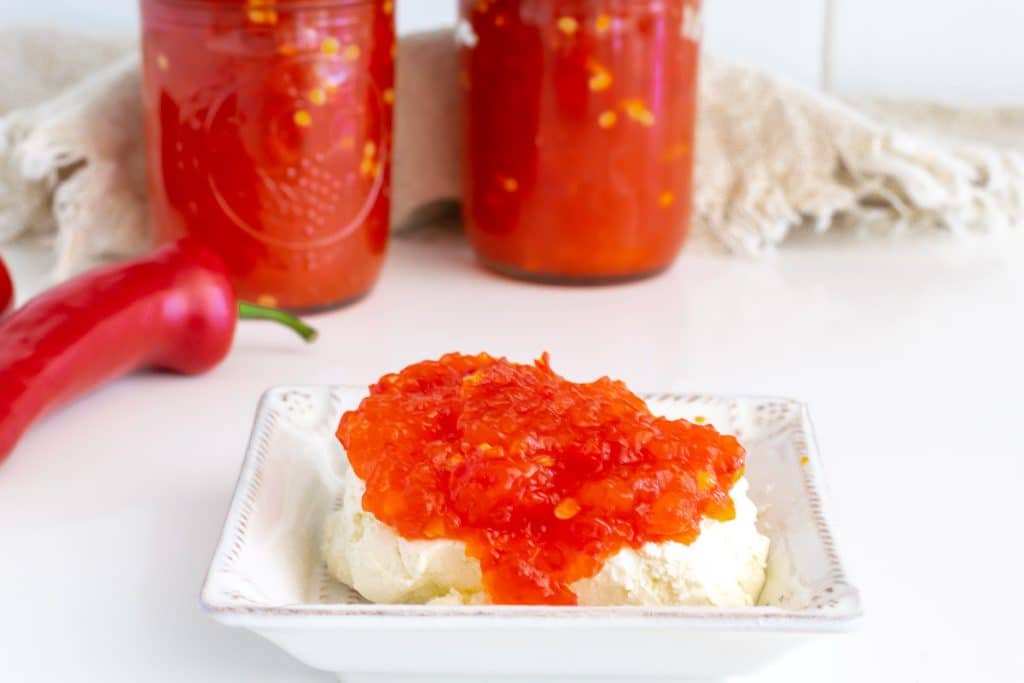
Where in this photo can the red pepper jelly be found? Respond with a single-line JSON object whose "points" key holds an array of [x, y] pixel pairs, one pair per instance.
{"points": [[269, 126], [542, 478], [579, 131]]}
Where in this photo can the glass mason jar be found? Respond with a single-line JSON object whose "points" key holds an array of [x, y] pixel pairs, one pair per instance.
{"points": [[269, 128], [578, 134]]}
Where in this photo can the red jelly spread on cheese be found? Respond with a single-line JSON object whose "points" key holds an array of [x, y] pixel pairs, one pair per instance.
{"points": [[542, 478]]}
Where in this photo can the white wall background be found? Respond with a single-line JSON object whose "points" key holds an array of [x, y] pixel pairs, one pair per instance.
{"points": [[959, 51]]}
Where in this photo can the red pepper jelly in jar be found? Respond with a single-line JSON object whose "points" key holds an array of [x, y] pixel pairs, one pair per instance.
{"points": [[269, 126], [579, 129]]}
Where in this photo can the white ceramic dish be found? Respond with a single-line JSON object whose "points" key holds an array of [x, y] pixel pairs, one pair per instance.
{"points": [[267, 574]]}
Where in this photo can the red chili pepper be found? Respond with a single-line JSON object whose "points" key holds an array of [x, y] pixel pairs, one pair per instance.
{"points": [[174, 310], [6, 289]]}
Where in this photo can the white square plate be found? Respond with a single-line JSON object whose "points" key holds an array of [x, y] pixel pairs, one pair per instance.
{"points": [[267, 574]]}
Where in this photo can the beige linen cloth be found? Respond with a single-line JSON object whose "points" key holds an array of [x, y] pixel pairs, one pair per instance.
{"points": [[771, 157]]}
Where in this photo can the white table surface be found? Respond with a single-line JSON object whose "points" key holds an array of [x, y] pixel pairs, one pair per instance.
{"points": [[908, 351]]}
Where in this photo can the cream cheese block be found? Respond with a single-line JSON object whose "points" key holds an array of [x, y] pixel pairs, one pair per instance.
{"points": [[724, 567]]}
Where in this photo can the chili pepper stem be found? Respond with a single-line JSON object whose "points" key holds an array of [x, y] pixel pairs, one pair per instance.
{"points": [[248, 311]]}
